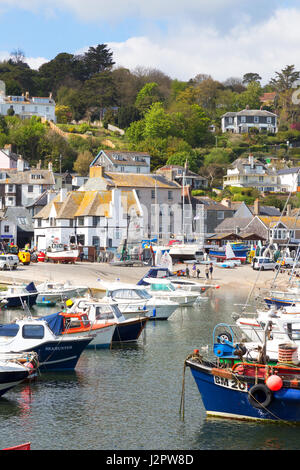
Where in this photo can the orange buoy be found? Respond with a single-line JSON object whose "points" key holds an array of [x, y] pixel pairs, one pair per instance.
{"points": [[274, 383]]}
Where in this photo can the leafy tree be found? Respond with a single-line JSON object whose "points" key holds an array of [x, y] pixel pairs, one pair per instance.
{"points": [[158, 124], [63, 114], [181, 158], [135, 132], [97, 60], [250, 97], [82, 163], [285, 79], [26, 136], [251, 77], [148, 95], [126, 115]]}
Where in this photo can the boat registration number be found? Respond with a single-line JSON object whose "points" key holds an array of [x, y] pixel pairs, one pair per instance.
{"points": [[233, 384]]}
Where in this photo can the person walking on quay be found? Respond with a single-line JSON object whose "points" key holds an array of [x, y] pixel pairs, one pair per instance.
{"points": [[187, 272], [207, 272], [194, 270], [198, 273], [211, 270]]}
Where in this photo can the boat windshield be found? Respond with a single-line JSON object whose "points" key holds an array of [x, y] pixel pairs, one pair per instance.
{"points": [[104, 312], [162, 287], [144, 294]]}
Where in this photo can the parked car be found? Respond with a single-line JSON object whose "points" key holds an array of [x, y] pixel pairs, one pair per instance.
{"points": [[9, 262], [261, 263]]}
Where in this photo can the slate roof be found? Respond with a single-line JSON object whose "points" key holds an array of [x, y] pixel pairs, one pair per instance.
{"points": [[25, 177], [119, 157]]}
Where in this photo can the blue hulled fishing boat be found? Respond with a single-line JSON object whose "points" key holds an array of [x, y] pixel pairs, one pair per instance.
{"points": [[232, 387], [240, 252]]}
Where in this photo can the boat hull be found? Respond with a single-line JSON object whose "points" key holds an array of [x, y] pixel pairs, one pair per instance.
{"points": [[271, 301], [56, 296], [129, 331], [60, 355], [222, 401], [10, 379], [63, 256], [18, 301]]}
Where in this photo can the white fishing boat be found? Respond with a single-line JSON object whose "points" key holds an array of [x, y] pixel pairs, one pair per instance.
{"points": [[18, 295], [55, 352], [164, 289], [186, 252], [101, 312], [59, 253], [231, 261], [53, 291], [15, 368], [132, 299]]}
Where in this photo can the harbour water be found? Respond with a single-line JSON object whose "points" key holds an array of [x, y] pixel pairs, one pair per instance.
{"points": [[128, 398]]}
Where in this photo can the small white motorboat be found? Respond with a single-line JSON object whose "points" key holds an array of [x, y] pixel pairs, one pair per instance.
{"points": [[54, 291], [133, 299], [164, 289]]}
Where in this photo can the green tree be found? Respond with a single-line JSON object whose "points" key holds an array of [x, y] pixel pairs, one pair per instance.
{"points": [[82, 163], [158, 124], [251, 77], [97, 60], [147, 96], [285, 79]]}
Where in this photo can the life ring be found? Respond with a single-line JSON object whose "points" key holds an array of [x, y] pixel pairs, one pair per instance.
{"points": [[260, 396]]}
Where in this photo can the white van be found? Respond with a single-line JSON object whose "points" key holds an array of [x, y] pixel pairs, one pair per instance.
{"points": [[9, 262], [261, 263]]}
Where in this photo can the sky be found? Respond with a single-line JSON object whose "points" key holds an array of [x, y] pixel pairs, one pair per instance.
{"points": [[221, 38]]}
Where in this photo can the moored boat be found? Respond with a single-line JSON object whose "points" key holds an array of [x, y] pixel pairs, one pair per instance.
{"points": [[54, 291], [232, 387], [240, 252], [55, 352], [17, 295], [100, 312], [78, 323], [15, 368]]}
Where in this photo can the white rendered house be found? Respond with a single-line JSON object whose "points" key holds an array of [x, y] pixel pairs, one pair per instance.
{"points": [[89, 218]]}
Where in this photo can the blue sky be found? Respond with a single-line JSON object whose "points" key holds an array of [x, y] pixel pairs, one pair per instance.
{"points": [[223, 38]]}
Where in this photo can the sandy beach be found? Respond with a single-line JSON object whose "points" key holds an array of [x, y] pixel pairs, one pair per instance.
{"points": [[93, 274]]}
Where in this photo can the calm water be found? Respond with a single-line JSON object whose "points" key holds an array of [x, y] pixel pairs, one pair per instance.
{"points": [[129, 397]]}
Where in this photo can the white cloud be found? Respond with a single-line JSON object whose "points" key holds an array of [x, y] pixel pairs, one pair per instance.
{"points": [[263, 48]]}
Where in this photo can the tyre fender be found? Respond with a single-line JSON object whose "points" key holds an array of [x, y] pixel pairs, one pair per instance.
{"points": [[260, 396]]}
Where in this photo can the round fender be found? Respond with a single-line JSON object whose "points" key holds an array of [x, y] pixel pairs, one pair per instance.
{"points": [[260, 396]]}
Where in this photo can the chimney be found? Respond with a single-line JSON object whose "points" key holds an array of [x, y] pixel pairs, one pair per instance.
{"points": [[289, 210], [50, 166], [256, 207], [39, 165], [20, 164], [251, 160], [27, 95], [96, 172]]}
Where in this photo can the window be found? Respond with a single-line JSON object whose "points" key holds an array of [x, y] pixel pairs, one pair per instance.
{"points": [[269, 120], [39, 222], [6, 228], [230, 120], [33, 331], [170, 194], [30, 188], [261, 179], [96, 221], [22, 220], [80, 221], [243, 119], [153, 194], [220, 215], [256, 119]]}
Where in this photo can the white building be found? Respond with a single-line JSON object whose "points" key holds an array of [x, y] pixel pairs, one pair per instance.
{"points": [[243, 121], [251, 173], [289, 179], [26, 106], [89, 218], [118, 161]]}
